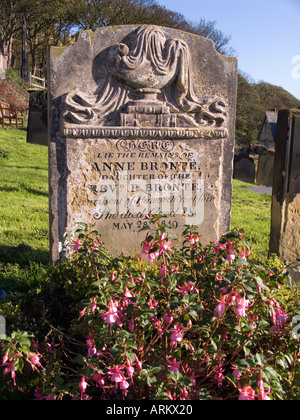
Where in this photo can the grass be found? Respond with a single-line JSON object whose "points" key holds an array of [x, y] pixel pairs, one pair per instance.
{"points": [[252, 211], [24, 231], [24, 216]]}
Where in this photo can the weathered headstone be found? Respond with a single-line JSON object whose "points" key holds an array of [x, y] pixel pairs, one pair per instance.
{"points": [[285, 226], [244, 168], [37, 131], [265, 169], [142, 121]]}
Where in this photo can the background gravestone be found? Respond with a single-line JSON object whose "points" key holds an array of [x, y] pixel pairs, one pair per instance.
{"points": [[37, 131], [142, 121], [265, 169], [244, 167], [285, 226]]}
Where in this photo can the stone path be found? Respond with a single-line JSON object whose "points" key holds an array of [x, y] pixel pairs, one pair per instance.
{"points": [[260, 190]]}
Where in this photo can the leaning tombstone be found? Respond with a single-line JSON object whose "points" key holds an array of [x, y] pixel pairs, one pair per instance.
{"points": [[285, 225], [142, 122]]}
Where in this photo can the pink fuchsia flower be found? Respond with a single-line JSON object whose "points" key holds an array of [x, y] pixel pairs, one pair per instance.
{"points": [[184, 394], [194, 239], [111, 316], [98, 378], [5, 357], [219, 377], [263, 394], [91, 345], [163, 272], [116, 374], [177, 335], [93, 305], [246, 394], [281, 318], [168, 318], [187, 288], [10, 368], [219, 277], [124, 385], [244, 254], [236, 373], [153, 256], [153, 303], [173, 365], [171, 396], [192, 348], [138, 363], [35, 360], [231, 255], [82, 386], [146, 247], [82, 312], [129, 367], [219, 247], [242, 305], [76, 245], [220, 309], [99, 241], [158, 325], [128, 293], [165, 246]]}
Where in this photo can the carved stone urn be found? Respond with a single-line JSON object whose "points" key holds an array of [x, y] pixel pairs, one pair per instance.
{"points": [[147, 67]]}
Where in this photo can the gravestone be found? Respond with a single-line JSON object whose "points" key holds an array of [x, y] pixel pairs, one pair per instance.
{"points": [[142, 122], [285, 225], [37, 131], [244, 168], [265, 169]]}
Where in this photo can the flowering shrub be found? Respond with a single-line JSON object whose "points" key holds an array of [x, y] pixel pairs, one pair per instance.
{"points": [[180, 323]]}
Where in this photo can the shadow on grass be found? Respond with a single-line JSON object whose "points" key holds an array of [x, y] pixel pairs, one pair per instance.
{"points": [[23, 255], [26, 189]]}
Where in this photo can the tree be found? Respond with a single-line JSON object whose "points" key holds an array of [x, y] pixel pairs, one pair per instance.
{"points": [[49, 23], [208, 30], [46, 24], [12, 13], [92, 14]]}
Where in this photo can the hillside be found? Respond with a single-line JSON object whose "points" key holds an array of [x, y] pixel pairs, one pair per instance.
{"points": [[253, 100]]}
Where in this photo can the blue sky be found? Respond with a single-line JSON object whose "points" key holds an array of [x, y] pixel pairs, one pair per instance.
{"points": [[264, 33]]}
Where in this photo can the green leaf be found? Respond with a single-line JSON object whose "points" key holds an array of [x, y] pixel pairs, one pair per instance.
{"points": [[145, 228], [261, 283], [174, 376], [247, 351], [193, 314], [272, 372]]}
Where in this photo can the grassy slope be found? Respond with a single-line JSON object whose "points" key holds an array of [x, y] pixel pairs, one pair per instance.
{"points": [[23, 199], [24, 203]]}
